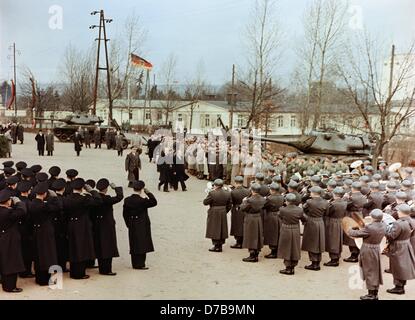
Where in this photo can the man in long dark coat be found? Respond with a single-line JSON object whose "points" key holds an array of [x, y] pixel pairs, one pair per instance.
{"points": [[369, 261], [220, 203], [135, 213], [40, 139], [237, 215], [179, 172], [11, 261], [133, 166], [87, 138], [77, 139], [105, 238], [50, 143], [20, 133], [97, 137]]}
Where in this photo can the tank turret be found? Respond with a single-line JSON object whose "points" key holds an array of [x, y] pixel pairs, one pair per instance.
{"points": [[82, 119]]}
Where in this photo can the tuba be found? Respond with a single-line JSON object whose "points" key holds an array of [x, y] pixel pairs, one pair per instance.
{"points": [[355, 221]]}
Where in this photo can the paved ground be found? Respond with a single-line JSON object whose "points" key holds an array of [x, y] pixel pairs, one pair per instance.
{"points": [[181, 267]]}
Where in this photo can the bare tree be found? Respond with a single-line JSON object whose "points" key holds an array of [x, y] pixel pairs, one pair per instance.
{"points": [[375, 97], [170, 98], [324, 26], [263, 48]]}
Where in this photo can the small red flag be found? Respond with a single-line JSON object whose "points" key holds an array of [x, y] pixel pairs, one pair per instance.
{"points": [[140, 62]]}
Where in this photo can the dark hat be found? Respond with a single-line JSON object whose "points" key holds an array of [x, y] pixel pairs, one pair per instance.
{"points": [[295, 178], [259, 176], [404, 208], [267, 180], [310, 173], [392, 185], [339, 174], [42, 176], [316, 178], [255, 187], [355, 172], [5, 195], [376, 214], [102, 184], [59, 184], [27, 172], [356, 185], [293, 184], [339, 191], [277, 179], [401, 195], [9, 171], [290, 197], [394, 175], [316, 190], [218, 182], [24, 186], [54, 171], [368, 168], [406, 184], [365, 179], [275, 186], [41, 188], [377, 177], [8, 164], [374, 185], [36, 168], [332, 183], [138, 185], [71, 173], [12, 180], [78, 183], [91, 183], [348, 182], [21, 165], [239, 179]]}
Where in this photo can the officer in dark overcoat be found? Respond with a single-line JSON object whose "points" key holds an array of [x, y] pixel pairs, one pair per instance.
{"points": [[237, 215]]}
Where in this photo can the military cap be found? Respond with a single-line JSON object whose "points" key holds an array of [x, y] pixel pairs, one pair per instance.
{"points": [[259, 176], [138, 185], [310, 173], [41, 176], [295, 178], [366, 163], [355, 172], [369, 168], [78, 183], [376, 214], [9, 171], [277, 179], [239, 179], [290, 197], [377, 177], [365, 179], [218, 183], [8, 164], [36, 168], [271, 168], [382, 187], [339, 173], [275, 186], [401, 195], [41, 188], [406, 184], [267, 180], [54, 171], [255, 187], [293, 184], [26, 172], [392, 185], [394, 175], [21, 165], [339, 191], [71, 173], [348, 182], [332, 183], [382, 164], [316, 178], [5, 195], [404, 208], [102, 184], [356, 185], [408, 170], [59, 184], [374, 185], [91, 183], [316, 190], [12, 180], [24, 186]]}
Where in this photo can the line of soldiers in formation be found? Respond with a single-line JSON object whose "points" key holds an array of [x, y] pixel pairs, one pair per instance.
{"points": [[16, 131], [47, 221], [270, 212]]}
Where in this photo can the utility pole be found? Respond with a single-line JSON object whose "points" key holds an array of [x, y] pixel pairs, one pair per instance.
{"points": [[389, 108], [14, 76], [102, 31], [232, 98]]}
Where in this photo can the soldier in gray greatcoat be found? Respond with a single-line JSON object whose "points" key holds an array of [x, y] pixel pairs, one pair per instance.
{"points": [[336, 211], [253, 227], [314, 231], [237, 217], [289, 244], [272, 223], [370, 262], [220, 203], [401, 253]]}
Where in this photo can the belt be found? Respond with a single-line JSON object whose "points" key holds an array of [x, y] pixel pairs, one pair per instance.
{"points": [[371, 245], [315, 218], [290, 226], [220, 207], [256, 214]]}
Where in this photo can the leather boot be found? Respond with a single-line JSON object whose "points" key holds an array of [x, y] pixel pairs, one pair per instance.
{"points": [[314, 266], [252, 258], [352, 259], [288, 271], [272, 255], [236, 246], [332, 263], [396, 290], [372, 295], [216, 248]]}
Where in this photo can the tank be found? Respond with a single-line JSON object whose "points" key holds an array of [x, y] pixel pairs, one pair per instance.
{"points": [[66, 131]]}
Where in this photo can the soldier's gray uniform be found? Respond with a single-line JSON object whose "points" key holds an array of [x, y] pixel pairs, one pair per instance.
{"points": [[272, 222], [336, 211], [253, 232], [237, 217]]}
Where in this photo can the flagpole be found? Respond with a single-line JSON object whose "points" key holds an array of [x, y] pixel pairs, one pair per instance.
{"points": [[145, 99]]}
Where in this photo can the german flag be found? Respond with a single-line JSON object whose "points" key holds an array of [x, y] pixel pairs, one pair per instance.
{"points": [[140, 62]]}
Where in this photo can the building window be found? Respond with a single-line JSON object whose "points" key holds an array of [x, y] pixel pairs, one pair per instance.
{"points": [[207, 121], [280, 121], [323, 122], [147, 115], [241, 121], [218, 119], [180, 117], [293, 122]]}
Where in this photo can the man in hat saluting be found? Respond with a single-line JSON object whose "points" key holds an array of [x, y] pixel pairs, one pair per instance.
{"points": [[220, 203]]}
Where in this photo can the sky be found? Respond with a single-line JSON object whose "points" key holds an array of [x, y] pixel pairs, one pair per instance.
{"points": [[210, 31]]}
